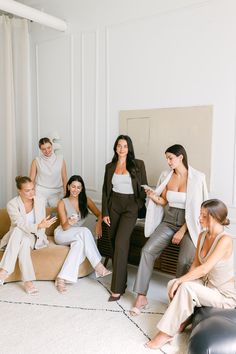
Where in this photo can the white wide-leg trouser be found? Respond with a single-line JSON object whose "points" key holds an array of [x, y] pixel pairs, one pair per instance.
{"points": [[190, 294], [82, 245], [19, 245]]}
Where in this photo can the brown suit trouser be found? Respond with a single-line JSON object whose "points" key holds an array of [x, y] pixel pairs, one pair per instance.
{"points": [[123, 213]]}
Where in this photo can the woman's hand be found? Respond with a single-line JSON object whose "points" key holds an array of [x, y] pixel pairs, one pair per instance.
{"points": [[98, 229], [47, 222], [72, 221], [107, 220], [151, 194], [178, 237], [173, 289]]}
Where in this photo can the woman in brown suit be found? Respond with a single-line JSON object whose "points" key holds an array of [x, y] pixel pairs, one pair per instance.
{"points": [[122, 197]]}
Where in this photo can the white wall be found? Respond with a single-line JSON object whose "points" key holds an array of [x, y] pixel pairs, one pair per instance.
{"points": [[127, 54]]}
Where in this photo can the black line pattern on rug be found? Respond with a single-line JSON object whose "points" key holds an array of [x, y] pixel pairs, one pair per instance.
{"points": [[57, 306], [128, 317]]}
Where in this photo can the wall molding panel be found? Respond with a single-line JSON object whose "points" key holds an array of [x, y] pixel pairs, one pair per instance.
{"points": [[89, 107]]}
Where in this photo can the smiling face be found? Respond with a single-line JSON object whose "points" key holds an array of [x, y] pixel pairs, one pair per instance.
{"points": [[27, 191], [75, 188], [122, 148], [173, 160], [46, 149]]}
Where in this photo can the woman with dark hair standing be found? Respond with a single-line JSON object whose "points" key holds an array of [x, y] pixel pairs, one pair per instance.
{"points": [[28, 223], [210, 280], [48, 172], [73, 210], [181, 190], [121, 199]]}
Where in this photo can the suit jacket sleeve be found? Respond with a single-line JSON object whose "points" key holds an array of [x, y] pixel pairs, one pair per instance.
{"points": [[105, 195], [143, 179], [18, 220]]}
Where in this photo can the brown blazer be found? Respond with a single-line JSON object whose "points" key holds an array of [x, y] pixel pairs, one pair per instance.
{"points": [[140, 178]]}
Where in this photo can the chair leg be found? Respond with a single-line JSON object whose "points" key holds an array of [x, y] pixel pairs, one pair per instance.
{"points": [[106, 261]]}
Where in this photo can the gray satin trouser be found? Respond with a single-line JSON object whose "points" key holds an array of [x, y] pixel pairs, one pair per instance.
{"points": [[173, 219]]}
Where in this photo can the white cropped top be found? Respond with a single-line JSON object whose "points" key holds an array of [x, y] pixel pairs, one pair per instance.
{"points": [[176, 199], [122, 184]]}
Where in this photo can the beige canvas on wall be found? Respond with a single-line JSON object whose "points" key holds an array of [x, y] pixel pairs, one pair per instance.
{"points": [[154, 130]]}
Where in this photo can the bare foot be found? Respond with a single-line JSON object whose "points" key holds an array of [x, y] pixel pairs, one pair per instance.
{"points": [[185, 324], [158, 341]]}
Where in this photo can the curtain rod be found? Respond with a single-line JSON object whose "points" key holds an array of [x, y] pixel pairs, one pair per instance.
{"points": [[21, 10]]}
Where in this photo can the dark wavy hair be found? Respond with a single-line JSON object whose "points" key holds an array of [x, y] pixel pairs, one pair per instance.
{"points": [[130, 160], [178, 150], [82, 197], [218, 210]]}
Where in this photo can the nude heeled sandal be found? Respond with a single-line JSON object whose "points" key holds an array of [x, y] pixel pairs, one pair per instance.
{"points": [[60, 285]]}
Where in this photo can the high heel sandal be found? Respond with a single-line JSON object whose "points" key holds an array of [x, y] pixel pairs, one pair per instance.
{"points": [[60, 285], [101, 271], [30, 289], [135, 311], [168, 340]]}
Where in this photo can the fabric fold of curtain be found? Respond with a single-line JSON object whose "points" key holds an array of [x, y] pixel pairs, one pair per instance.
{"points": [[15, 128]]}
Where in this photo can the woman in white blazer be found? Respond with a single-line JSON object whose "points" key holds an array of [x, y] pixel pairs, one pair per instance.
{"points": [[28, 223], [182, 190]]}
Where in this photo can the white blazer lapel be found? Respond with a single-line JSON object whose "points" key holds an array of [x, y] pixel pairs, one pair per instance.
{"points": [[21, 207], [155, 212], [190, 185]]}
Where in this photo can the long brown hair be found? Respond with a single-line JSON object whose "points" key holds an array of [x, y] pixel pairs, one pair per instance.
{"points": [[178, 150]]}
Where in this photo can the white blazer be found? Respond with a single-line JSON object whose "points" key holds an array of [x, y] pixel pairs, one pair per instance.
{"points": [[17, 214], [196, 194]]}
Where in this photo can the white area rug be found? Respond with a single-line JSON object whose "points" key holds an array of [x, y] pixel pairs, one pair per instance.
{"points": [[81, 321]]}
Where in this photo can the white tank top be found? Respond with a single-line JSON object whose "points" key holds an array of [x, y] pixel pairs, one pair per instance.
{"points": [[176, 199], [30, 217], [49, 171], [122, 183]]}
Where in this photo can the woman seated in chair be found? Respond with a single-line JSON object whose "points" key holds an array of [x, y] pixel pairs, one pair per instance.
{"points": [[73, 210], [210, 280], [28, 223], [172, 217]]}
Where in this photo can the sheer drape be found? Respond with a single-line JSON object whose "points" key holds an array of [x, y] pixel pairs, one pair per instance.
{"points": [[14, 104]]}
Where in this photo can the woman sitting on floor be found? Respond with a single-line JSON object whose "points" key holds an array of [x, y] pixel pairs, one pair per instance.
{"points": [[73, 210], [28, 223], [210, 280]]}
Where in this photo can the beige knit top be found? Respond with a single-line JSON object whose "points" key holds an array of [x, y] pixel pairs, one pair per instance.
{"points": [[221, 276]]}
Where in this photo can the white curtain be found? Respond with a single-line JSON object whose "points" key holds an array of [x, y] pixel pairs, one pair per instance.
{"points": [[15, 125]]}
